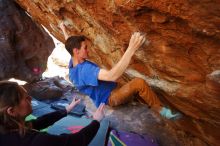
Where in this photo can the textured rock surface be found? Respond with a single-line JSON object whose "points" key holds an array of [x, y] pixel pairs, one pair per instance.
{"points": [[24, 45], [182, 60]]}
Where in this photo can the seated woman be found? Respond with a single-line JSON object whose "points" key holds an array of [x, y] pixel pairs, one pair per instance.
{"points": [[15, 105]]}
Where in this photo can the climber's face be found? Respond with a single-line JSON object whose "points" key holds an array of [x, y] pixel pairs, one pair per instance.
{"points": [[83, 51]]}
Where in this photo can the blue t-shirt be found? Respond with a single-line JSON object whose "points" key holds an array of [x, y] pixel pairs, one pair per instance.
{"points": [[85, 77]]}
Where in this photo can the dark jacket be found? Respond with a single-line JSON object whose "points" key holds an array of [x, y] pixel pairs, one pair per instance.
{"points": [[36, 138]]}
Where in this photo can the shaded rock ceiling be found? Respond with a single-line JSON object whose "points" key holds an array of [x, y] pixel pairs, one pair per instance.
{"points": [[182, 60], [24, 45]]}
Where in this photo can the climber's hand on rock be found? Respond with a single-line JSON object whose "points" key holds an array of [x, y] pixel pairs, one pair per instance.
{"points": [[62, 25], [136, 41]]}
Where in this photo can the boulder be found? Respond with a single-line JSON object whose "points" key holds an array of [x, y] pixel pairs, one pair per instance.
{"points": [[24, 44]]}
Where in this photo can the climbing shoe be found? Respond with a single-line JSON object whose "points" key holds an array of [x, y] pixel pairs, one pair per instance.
{"points": [[166, 113]]}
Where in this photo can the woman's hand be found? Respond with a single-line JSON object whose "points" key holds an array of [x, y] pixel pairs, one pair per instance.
{"points": [[99, 114], [72, 104]]}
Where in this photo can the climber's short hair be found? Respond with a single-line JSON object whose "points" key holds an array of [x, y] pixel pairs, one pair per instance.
{"points": [[74, 42]]}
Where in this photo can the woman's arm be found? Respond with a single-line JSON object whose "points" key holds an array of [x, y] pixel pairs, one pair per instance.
{"points": [[48, 119], [84, 136], [81, 138]]}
